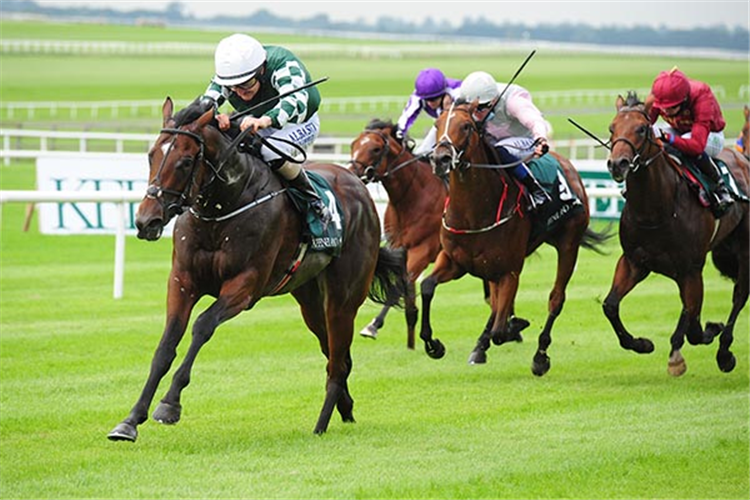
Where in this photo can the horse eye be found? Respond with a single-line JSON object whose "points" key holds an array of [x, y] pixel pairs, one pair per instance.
{"points": [[611, 129], [641, 130], [185, 162]]}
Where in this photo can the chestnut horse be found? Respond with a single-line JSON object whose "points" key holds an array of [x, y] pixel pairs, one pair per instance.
{"points": [[745, 134], [487, 232], [241, 240], [412, 217], [664, 229]]}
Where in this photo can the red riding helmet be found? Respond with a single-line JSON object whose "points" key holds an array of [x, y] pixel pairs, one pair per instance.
{"points": [[670, 88]]}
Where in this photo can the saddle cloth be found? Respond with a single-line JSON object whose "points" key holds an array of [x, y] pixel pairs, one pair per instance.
{"points": [[565, 202], [327, 238], [702, 184]]}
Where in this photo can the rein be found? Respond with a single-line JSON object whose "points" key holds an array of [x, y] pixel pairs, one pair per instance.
{"points": [[156, 191]]}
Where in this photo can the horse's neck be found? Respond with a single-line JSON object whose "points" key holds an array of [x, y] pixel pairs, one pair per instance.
{"points": [[406, 182], [240, 176], [651, 189]]}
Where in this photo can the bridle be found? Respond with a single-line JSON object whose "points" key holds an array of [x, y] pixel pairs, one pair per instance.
{"points": [[639, 152], [156, 191], [370, 172], [457, 153]]}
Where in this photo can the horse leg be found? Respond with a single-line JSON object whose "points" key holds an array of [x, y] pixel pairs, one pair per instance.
{"points": [[234, 297], [479, 355], [411, 312], [179, 307], [371, 330], [445, 270], [311, 303], [627, 276], [567, 255], [724, 357]]}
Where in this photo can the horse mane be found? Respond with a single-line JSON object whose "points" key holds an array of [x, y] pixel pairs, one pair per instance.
{"points": [[377, 123], [632, 100], [192, 111]]}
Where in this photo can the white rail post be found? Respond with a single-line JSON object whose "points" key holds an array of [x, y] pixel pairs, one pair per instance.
{"points": [[120, 250]]}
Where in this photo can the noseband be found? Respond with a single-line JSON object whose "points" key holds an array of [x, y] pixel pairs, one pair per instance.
{"points": [[457, 153], [638, 159]]}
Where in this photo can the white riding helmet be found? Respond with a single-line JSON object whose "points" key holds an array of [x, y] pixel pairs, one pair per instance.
{"points": [[479, 85], [238, 57]]}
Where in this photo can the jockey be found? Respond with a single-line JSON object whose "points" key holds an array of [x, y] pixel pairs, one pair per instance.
{"points": [[514, 123], [696, 125], [248, 73], [432, 93]]}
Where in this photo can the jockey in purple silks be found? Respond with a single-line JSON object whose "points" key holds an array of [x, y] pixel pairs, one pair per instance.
{"points": [[432, 93]]}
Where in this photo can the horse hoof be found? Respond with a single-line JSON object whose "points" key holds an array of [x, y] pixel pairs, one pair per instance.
{"points": [[167, 414], [643, 346], [540, 365], [677, 368], [123, 432], [726, 361], [369, 331], [516, 326], [434, 349], [477, 358]]}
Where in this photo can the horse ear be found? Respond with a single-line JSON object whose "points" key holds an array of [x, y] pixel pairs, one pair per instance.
{"points": [[473, 106], [620, 102], [205, 118], [167, 109], [747, 112]]}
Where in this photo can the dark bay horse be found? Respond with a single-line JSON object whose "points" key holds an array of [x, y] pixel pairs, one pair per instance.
{"points": [[240, 241], [487, 232], [415, 202], [664, 229]]}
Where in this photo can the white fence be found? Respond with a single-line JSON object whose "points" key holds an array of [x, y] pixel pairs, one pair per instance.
{"points": [[29, 110]]}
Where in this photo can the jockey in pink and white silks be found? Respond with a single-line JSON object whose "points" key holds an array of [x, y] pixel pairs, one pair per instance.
{"points": [[433, 92], [515, 124]]}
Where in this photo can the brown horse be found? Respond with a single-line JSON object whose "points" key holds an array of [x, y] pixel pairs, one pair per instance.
{"points": [[487, 232], [240, 241], [745, 134], [665, 229], [415, 202]]}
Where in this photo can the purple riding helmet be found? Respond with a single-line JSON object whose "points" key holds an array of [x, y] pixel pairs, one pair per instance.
{"points": [[430, 83]]}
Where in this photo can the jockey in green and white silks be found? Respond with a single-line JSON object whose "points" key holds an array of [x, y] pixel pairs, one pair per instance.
{"points": [[248, 73]]}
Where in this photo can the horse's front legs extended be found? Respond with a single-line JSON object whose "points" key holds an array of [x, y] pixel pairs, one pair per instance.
{"points": [[179, 307], [234, 297], [445, 270], [627, 276]]}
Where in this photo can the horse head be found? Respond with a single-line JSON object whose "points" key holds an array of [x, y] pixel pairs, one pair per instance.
{"points": [[174, 172], [458, 138], [374, 150], [745, 134], [632, 140]]}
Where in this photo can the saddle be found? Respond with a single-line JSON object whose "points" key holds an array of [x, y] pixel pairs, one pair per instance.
{"points": [[701, 185]]}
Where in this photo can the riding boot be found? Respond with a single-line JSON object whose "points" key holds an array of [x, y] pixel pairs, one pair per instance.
{"points": [[721, 198], [302, 184], [537, 194]]}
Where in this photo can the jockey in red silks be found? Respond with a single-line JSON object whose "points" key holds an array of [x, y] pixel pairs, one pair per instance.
{"points": [[695, 125], [433, 92]]}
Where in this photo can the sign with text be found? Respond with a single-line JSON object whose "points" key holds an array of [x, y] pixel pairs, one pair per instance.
{"points": [[84, 173]]}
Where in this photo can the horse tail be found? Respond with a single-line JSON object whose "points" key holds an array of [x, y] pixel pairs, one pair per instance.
{"points": [[390, 281], [595, 240]]}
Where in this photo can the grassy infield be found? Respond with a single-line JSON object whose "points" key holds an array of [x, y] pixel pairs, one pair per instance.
{"points": [[603, 423]]}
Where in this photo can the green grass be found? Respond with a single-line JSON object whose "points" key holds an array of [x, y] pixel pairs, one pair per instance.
{"points": [[603, 423]]}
